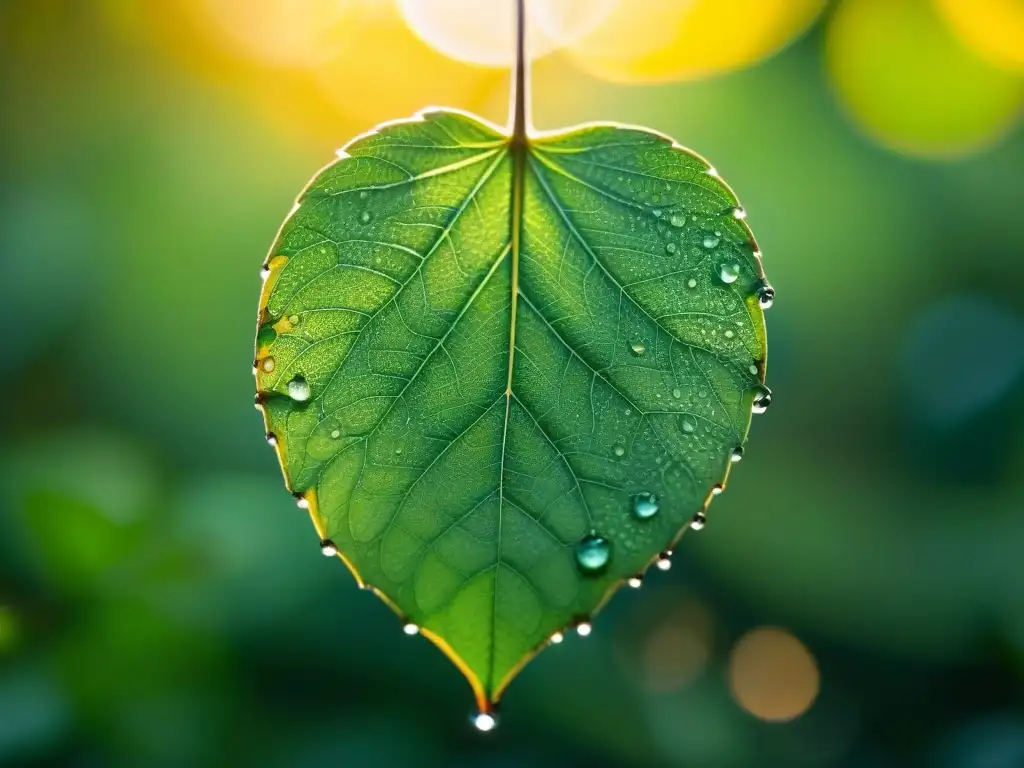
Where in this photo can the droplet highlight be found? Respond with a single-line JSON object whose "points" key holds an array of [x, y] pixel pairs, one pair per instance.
{"points": [[663, 563], [619, 450], [485, 722], [268, 364], [645, 506], [557, 638], [677, 220], [410, 629], [583, 628], [698, 522], [593, 554], [635, 581], [299, 390], [691, 283], [728, 272], [710, 241], [765, 295], [762, 399], [736, 455], [327, 548]]}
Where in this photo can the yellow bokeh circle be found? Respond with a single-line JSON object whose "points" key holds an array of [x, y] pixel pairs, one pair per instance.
{"points": [[772, 675]]}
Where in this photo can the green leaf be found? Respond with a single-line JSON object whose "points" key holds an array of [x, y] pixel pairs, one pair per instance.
{"points": [[505, 376]]}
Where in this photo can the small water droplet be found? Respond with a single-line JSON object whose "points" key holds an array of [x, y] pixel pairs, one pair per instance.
{"points": [[753, 369], [271, 439], [637, 348], [267, 365], [583, 628], [301, 501], [657, 213], [264, 272], [729, 334], [635, 581], [762, 399], [557, 638], [670, 247], [398, 451], [677, 220], [710, 241], [737, 454], [593, 553], [663, 563], [485, 721], [335, 433], [702, 393], [698, 522], [728, 272], [619, 450], [691, 283], [765, 294], [298, 389], [645, 506], [712, 171], [687, 424], [739, 213], [363, 195], [677, 393], [327, 548], [628, 411], [717, 489]]}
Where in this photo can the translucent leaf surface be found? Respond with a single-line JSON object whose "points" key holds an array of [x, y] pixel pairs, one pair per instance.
{"points": [[506, 376]]}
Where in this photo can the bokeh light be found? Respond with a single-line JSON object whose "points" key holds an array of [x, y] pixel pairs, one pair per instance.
{"points": [[661, 40], [994, 29], [910, 83], [772, 674]]}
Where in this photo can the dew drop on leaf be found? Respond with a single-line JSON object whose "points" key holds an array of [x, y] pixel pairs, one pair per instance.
{"points": [[637, 348], [267, 365], [698, 522], [327, 548], [298, 389], [619, 450], [728, 273], [687, 424], [410, 629], [670, 247], [765, 295], [593, 553], [677, 220], [710, 241], [635, 581], [365, 217], [663, 563], [691, 283], [736, 455], [583, 628], [645, 506], [716, 490], [762, 399], [557, 638], [739, 213], [485, 721], [677, 393]]}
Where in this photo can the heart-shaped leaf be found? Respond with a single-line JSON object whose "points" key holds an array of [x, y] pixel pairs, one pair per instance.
{"points": [[506, 376]]}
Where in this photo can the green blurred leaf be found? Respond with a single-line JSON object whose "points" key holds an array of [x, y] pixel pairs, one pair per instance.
{"points": [[504, 377]]}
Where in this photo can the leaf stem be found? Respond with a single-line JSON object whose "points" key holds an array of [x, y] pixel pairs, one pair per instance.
{"points": [[520, 79]]}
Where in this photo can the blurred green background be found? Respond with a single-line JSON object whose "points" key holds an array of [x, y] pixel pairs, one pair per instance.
{"points": [[163, 602]]}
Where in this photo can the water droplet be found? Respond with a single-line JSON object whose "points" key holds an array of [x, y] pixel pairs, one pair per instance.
{"points": [[765, 294], [485, 721], [737, 454], [739, 213], [687, 424], [267, 365], [628, 411], [619, 450], [691, 283], [398, 451], [335, 433], [753, 369], [557, 638], [698, 522], [645, 506], [677, 220], [593, 553], [717, 489], [729, 334], [712, 172], [670, 247], [364, 217], [657, 213], [762, 399], [363, 195], [271, 439], [710, 241], [583, 628], [327, 548], [677, 393], [702, 393], [663, 563], [635, 581], [298, 389], [729, 272], [301, 501], [264, 272], [637, 348]]}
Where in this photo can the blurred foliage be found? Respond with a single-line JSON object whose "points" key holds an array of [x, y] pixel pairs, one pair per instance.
{"points": [[163, 602]]}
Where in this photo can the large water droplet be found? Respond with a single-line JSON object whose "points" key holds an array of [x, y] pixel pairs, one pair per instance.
{"points": [[765, 294], [737, 454], [637, 348], [698, 521], [271, 439], [645, 506], [301, 501], [762, 399], [593, 553], [327, 548], [677, 220], [677, 393], [485, 721], [710, 241], [298, 389], [335, 433], [729, 334], [716, 490], [728, 272], [753, 369], [264, 272], [363, 195], [657, 213]]}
